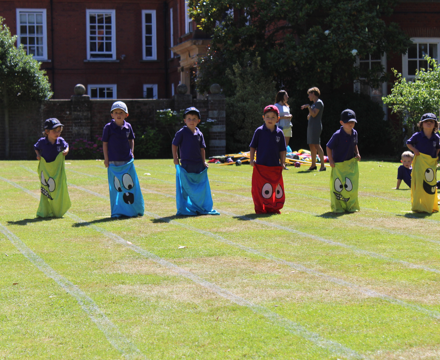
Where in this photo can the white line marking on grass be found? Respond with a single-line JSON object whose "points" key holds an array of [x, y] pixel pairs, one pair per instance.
{"points": [[111, 332], [292, 327]]}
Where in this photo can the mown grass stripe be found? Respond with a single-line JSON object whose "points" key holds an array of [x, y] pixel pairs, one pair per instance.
{"points": [[111, 332], [292, 327]]}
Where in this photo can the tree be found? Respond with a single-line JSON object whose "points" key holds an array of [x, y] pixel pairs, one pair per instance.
{"points": [[411, 99], [253, 90], [300, 42], [20, 77]]}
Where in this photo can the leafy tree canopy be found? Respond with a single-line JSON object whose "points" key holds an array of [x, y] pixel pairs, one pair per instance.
{"points": [[20, 76], [300, 43]]}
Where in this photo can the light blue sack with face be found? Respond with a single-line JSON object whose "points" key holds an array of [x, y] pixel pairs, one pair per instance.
{"points": [[193, 193], [125, 192]]}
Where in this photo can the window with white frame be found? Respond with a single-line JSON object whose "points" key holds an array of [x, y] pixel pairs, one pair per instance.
{"points": [[150, 91], [149, 51], [414, 59], [102, 91], [171, 31], [188, 21], [32, 32], [101, 36], [375, 63]]}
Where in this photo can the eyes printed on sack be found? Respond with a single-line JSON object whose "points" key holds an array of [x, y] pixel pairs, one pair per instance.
{"points": [[127, 184], [267, 191], [348, 186], [430, 177], [50, 183]]}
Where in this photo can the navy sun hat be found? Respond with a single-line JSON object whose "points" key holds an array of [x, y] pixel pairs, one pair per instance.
{"points": [[428, 116], [348, 115], [52, 123], [119, 105], [192, 109]]}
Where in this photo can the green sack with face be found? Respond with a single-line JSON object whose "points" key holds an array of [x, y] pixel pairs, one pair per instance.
{"points": [[344, 185], [54, 199]]}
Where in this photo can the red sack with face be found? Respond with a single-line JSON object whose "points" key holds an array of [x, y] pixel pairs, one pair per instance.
{"points": [[268, 189]]}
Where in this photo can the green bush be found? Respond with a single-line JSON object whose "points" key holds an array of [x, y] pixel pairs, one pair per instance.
{"points": [[374, 132], [149, 144], [254, 90], [82, 149]]}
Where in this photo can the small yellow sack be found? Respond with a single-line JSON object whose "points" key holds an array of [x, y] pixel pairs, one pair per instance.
{"points": [[424, 184]]}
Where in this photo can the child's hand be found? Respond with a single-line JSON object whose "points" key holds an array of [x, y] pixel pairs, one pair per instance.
{"points": [[106, 163], [332, 163], [305, 106], [206, 164], [176, 161], [252, 162], [416, 152], [358, 157], [65, 152], [38, 157]]}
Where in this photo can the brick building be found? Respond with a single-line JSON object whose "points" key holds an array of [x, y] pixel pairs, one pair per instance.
{"points": [[116, 48]]}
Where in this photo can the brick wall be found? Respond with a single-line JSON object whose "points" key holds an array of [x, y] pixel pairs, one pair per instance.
{"points": [[85, 118]]}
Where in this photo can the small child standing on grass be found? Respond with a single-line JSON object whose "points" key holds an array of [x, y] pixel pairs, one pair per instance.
{"points": [[267, 179], [404, 170], [343, 156], [51, 150], [118, 146], [193, 193], [425, 145]]}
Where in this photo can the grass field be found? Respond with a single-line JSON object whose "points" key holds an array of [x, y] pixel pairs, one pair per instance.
{"points": [[306, 284]]}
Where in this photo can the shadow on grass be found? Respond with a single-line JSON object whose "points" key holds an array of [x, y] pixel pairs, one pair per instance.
{"points": [[104, 220], [249, 217], [415, 215], [332, 215], [167, 219], [29, 221]]}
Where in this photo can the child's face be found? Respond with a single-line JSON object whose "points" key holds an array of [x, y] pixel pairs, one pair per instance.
{"points": [[428, 125], [119, 115], [191, 121], [270, 119], [348, 127], [407, 161], [54, 134]]}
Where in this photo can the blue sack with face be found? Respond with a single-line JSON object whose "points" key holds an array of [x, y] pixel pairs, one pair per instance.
{"points": [[125, 192], [193, 193]]}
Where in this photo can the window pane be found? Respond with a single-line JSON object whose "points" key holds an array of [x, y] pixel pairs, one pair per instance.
{"points": [[23, 29], [433, 51], [108, 47], [94, 92], [39, 18], [109, 93], [148, 29], [364, 66], [148, 41], [376, 66], [148, 18], [412, 51], [423, 50], [31, 19], [412, 66], [31, 30], [39, 41], [375, 56], [23, 40], [423, 64], [39, 51], [149, 93], [92, 46], [23, 19], [39, 29], [148, 51], [31, 40]]}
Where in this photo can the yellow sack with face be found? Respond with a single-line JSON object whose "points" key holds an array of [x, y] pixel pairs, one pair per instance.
{"points": [[424, 184], [344, 185]]}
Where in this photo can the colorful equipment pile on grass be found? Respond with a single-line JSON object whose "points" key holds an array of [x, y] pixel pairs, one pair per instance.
{"points": [[294, 158]]}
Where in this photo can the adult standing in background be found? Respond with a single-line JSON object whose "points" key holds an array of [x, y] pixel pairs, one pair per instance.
{"points": [[314, 127], [285, 115]]}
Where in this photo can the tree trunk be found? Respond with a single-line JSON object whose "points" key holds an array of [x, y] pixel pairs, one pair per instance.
{"points": [[6, 127]]}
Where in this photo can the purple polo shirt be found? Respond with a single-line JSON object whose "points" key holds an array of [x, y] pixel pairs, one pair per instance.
{"points": [[404, 174], [268, 144], [48, 150], [117, 138], [425, 145], [343, 145], [189, 145]]}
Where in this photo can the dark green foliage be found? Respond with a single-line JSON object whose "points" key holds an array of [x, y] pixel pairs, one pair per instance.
{"points": [[301, 43], [374, 132], [148, 144], [20, 78], [253, 91], [82, 149]]}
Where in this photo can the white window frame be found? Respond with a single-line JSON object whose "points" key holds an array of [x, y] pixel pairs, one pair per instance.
{"points": [[113, 86], [20, 11], [153, 35], [188, 20], [405, 59], [94, 55], [154, 87], [357, 85], [172, 89], [171, 32]]}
